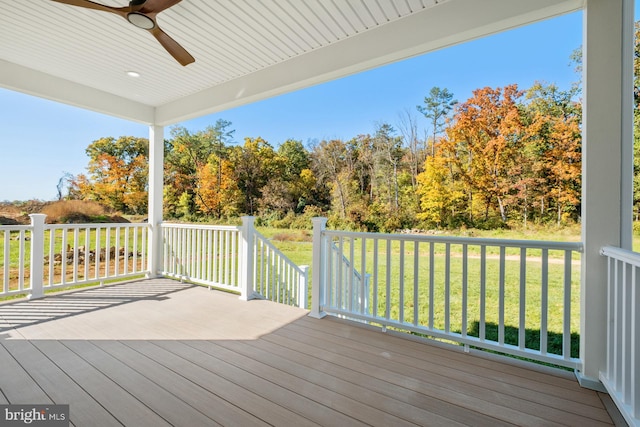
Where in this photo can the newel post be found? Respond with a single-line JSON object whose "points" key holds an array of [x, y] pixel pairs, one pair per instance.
{"points": [[317, 276], [246, 258], [37, 256]]}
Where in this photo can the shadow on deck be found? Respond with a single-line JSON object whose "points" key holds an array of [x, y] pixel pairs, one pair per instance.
{"points": [[160, 352]]}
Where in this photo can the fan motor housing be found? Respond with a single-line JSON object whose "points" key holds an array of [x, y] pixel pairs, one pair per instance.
{"points": [[141, 21]]}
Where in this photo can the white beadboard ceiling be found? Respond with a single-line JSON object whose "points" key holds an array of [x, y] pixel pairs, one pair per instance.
{"points": [[244, 50]]}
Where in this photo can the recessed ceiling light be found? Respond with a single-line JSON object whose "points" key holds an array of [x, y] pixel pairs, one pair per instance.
{"points": [[133, 74]]}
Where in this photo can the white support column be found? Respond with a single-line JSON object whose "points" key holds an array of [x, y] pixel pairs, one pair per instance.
{"points": [[317, 278], [156, 182], [626, 122], [246, 259], [606, 181], [36, 280]]}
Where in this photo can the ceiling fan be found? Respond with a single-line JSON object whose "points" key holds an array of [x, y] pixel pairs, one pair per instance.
{"points": [[142, 14]]}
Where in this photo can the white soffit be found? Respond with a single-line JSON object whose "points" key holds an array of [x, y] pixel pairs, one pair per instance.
{"points": [[244, 50]]}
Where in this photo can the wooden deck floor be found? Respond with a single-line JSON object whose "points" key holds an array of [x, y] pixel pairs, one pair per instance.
{"points": [[158, 352]]}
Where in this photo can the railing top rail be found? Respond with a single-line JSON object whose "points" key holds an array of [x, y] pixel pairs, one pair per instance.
{"points": [[478, 241], [200, 226], [620, 254], [95, 225], [15, 227]]}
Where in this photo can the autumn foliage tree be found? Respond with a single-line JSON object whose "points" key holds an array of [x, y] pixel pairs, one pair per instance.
{"points": [[117, 174], [518, 158]]}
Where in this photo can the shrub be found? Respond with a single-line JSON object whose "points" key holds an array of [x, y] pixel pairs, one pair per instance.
{"points": [[75, 211]]}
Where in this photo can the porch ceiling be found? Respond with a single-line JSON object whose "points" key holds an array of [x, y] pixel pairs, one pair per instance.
{"points": [[244, 51]]}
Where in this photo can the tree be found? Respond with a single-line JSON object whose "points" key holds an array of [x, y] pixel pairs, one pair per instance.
{"points": [[217, 187], [253, 164], [286, 191], [436, 108], [187, 154], [415, 155], [554, 129], [328, 162], [438, 193], [388, 155], [117, 174], [483, 142]]}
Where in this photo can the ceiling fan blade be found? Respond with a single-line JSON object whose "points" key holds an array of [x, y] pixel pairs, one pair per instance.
{"points": [[91, 5], [157, 6], [178, 52]]}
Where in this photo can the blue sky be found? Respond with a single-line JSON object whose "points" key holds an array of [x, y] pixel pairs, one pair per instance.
{"points": [[40, 140]]}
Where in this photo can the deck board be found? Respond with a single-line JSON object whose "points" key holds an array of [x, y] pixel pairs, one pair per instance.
{"points": [[58, 385], [227, 390], [160, 352], [478, 383]]}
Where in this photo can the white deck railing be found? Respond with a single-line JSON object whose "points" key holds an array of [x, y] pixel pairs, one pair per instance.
{"points": [[458, 289], [15, 252], [276, 277], [342, 270], [40, 256], [203, 254], [233, 258], [622, 374]]}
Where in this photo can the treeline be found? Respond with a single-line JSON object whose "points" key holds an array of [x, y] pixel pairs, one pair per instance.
{"points": [[502, 156]]}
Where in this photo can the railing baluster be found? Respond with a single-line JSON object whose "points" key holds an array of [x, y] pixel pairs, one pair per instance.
{"points": [[501, 291], [566, 321], [350, 291], [52, 245], [98, 251], [447, 287], [465, 290], [21, 264], [7, 261], [117, 253], [416, 287], [375, 277], [76, 242], [64, 253], [126, 250], [625, 335], [618, 321], [544, 302], [633, 398], [431, 283], [522, 321], [364, 292], [482, 326], [401, 284], [387, 312], [233, 255]]}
